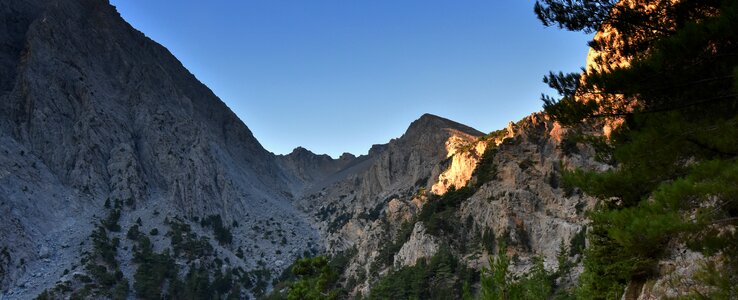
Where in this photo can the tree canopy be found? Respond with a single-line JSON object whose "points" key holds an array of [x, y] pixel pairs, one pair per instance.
{"points": [[667, 70]]}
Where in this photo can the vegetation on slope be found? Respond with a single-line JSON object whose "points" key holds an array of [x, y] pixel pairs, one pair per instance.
{"points": [[440, 277], [103, 277]]}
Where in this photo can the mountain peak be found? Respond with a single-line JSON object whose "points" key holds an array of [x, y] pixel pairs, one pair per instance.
{"points": [[301, 150], [430, 122]]}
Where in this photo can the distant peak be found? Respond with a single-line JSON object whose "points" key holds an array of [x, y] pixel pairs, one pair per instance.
{"points": [[300, 150], [430, 122], [347, 156], [430, 116]]}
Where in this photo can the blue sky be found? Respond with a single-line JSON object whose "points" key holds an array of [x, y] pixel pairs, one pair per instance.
{"points": [[337, 76]]}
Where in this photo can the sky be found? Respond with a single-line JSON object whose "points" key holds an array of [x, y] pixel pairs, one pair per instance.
{"points": [[337, 76]]}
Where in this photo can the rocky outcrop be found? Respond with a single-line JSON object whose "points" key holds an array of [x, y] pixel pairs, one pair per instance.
{"points": [[464, 157], [361, 191], [522, 203], [420, 245], [525, 204]]}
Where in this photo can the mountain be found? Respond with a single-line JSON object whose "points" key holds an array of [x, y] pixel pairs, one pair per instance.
{"points": [[388, 215], [400, 167], [122, 176], [93, 114]]}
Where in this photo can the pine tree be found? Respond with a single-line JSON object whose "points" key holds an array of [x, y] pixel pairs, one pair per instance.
{"points": [[676, 151]]}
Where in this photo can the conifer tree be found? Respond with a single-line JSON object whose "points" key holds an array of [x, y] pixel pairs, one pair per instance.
{"points": [[676, 175]]}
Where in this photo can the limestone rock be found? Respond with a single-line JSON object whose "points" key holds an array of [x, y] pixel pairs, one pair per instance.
{"points": [[420, 245]]}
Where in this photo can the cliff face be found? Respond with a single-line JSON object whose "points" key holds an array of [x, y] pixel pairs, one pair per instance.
{"points": [[346, 203]]}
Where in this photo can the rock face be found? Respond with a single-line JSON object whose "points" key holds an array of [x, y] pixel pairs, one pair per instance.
{"points": [[524, 202], [462, 164], [420, 245], [400, 168]]}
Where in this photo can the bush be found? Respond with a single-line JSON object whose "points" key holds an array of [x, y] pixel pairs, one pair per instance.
{"points": [[222, 234], [111, 222], [133, 233], [488, 240], [184, 242], [498, 284], [387, 253], [440, 277], [486, 169], [438, 213], [154, 269]]}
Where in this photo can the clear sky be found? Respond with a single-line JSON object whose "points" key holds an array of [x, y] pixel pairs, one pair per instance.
{"points": [[337, 76]]}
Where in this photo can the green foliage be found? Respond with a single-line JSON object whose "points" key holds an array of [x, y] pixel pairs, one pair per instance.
{"points": [[186, 243], [376, 212], [525, 164], [103, 278], [441, 277], [4, 261], [111, 222], [222, 234], [340, 261], [498, 284], [578, 242], [197, 284], [676, 151], [488, 240], [438, 213], [315, 280], [495, 135], [257, 280], [45, 295], [103, 268], [486, 169], [103, 247], [342, 219], [154, 269], [133, 233]]}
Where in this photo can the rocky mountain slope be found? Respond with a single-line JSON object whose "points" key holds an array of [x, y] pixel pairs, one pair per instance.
{"points": [[95, 120], [377, 217], [345, 203]]}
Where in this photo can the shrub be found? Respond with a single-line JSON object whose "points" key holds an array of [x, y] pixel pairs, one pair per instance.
{"points": [[184, 242], [154, 269], [440, 277], [222, 234]]}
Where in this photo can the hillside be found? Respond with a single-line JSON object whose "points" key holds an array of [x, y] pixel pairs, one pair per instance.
{"points": [[100, 123]]}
